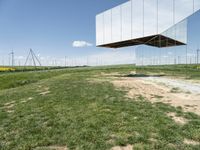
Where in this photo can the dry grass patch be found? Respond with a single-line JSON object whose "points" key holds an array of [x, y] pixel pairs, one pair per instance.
{"points": [[30, 98], [9, 103], [190, 142], [25, 101], [10, 111], [44, 93], [137, 88], [128, 147], [177, 119], [9, 107], [152, 140]]}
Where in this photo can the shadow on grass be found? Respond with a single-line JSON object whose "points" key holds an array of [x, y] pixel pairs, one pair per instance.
{"points": [[140, 75], [143, 75]]}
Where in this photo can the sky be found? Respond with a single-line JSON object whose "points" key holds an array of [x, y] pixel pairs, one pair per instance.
{"points": [[65, 29], [56, 29]]}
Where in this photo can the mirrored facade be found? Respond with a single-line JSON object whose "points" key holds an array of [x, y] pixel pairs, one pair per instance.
{"points": [[158, 23], [185, 54]]}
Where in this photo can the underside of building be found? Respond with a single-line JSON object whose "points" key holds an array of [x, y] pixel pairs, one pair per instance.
{"points": [[155, 40]]}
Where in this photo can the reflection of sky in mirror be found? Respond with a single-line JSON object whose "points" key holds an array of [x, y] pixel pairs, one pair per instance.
{"points": [[151, 55]]}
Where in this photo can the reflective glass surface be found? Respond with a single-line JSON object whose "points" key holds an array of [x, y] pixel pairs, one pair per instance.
{"points": [[181, 31], [137, 19], [165, 15], [107, 27], [116, 24], [196, 5], [178, 32], [99, 29], [183, 9], [126, 20], [142, 18], [150, 17]]}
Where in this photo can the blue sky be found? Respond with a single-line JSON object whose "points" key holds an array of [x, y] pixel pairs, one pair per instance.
{"points": [[50, 27]]}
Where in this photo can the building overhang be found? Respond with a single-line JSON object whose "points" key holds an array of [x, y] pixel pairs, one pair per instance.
{"points": [[159, 41]]}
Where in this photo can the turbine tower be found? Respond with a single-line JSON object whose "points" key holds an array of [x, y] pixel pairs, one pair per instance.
{"points": [[11, 56]]}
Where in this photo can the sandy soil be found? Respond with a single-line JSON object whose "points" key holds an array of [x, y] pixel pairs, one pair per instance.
{"points": [[177, 119], [190, 142], [185, 86], [176, 92], [128, 147]]}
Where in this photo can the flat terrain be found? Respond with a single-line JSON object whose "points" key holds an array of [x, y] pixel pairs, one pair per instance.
{"points": [[161, 89], [100, 108]]}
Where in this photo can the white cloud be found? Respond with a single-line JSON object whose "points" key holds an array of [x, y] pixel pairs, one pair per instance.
{"points": [[81, 44], [19, 57]]}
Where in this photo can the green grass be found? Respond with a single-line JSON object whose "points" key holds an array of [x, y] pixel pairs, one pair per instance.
{"points": [[16, 79], [12, 80], [186, 71], [87, 115]]}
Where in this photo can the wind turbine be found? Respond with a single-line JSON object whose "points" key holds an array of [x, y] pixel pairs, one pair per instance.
{"points": [[11, 56]]}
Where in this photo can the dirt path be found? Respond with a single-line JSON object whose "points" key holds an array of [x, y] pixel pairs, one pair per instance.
{"points": [[175, 92], [185, 86]]}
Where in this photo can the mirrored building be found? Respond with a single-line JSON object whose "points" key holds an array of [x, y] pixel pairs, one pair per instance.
{"points": [[182, 54], [157, 23]]}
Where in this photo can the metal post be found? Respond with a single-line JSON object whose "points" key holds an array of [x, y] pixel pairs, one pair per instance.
{"points": [[11, 59], [65, 61], [198, 51]]}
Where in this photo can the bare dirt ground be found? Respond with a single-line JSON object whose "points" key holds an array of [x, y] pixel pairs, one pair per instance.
{"points": [[177, 119], [129, 147], [176, 92]]}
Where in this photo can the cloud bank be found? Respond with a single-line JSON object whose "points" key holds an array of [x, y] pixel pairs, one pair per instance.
{"points": [[81, 44]]}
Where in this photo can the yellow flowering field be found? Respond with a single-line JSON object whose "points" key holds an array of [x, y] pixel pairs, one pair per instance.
{"points": [[2, 69]]}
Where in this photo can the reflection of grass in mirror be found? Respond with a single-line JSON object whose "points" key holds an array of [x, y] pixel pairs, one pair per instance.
{"points": [[186, 71], [88, 115]]}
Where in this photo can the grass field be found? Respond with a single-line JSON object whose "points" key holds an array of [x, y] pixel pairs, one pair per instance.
{"points": [[187, 71], [64, 108]]}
